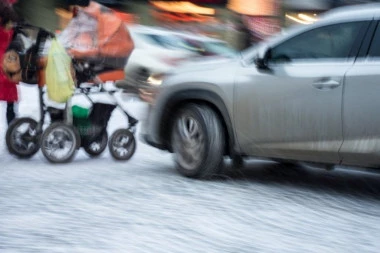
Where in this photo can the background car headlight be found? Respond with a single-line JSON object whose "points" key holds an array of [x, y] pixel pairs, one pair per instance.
{"points": [[156, 79]]}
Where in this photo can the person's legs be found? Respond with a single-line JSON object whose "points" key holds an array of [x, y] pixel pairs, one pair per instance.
{"points": [[11, 115]]}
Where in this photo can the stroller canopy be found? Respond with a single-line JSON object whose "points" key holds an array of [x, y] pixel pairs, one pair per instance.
{"points": [[97, 31]]}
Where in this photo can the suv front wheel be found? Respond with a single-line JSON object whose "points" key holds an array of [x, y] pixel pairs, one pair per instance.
{"points": [[197, 139]]}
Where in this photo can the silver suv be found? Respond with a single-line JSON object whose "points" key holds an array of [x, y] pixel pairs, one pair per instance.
{"points": [[310, 94]]}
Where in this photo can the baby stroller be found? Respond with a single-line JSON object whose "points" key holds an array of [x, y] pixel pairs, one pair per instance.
{"points": [[75, 127]]}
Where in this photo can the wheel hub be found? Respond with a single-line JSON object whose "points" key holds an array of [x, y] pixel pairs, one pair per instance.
{"points": [[58, 143], [25, 138], [190, 142]]}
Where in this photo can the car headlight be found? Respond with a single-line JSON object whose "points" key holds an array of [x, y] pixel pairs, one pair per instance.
{"points": [[149, 93], [155, 79]]}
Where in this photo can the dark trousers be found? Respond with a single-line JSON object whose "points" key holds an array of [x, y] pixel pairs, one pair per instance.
{"points": [[11, 115]]}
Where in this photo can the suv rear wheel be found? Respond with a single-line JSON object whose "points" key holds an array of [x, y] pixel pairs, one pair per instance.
{"points": [[197, 139]]}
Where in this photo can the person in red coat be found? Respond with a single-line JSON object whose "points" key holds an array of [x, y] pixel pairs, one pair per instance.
{"points": [[8, 89]]}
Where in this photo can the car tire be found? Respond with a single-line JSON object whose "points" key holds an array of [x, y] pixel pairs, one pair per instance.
{"points": [[198, 141]]}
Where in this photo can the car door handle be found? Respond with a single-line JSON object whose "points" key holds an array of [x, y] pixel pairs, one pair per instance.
{"points": [[326, 84]]}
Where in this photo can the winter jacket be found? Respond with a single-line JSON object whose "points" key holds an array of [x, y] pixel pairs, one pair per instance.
{"points": [[8, 89]]}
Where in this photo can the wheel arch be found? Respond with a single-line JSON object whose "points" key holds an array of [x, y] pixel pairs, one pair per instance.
{"points": [[199, 96]]}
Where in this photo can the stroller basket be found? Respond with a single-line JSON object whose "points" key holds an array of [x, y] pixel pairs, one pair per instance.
{"points": [[92, 127], [89, 127]]}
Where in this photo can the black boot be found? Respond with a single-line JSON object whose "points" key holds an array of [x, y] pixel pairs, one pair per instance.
{"points": [[11, 115]]}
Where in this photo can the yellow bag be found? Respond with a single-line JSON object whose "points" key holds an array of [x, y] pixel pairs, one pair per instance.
{"points": [[59, 79]]}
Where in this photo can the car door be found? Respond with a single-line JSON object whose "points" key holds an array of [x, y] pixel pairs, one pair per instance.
{"points": [[293, 109], [361, 103]]}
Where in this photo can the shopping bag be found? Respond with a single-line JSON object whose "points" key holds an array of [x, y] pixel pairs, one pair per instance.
{"points": [[59, 79]]}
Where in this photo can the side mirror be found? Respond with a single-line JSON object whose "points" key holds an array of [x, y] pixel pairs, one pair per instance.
{"points": [[262, 62]]}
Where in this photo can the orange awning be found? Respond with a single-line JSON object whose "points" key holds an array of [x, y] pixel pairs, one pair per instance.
{"points": [[167, 17], [254, 7], [182, 7]]}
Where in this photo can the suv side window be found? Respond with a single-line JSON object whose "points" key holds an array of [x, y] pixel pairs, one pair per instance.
{"points": [[328, 42], [374, 50]]}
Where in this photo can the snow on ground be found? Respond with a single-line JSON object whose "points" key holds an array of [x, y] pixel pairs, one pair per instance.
{"points": [[143, 205]]}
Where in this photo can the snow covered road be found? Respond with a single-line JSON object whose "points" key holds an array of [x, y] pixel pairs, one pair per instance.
{"points": [[144, 205]]}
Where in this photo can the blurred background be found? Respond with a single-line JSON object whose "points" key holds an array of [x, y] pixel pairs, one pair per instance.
{"points": [[238, 22]]}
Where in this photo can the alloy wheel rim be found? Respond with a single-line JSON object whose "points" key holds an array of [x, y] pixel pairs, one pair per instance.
{"points": [[21, 135], [189, 142], [58, 144], [96, 146], [122, 145]]}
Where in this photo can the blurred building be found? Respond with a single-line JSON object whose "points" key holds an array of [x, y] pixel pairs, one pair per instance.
{"points": [[307, 11], [254, 20], [303, 12], [232, 20], [39, 12], [338, 3], [320, 5]]}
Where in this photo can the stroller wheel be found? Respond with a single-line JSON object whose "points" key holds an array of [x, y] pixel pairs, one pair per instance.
{"points": [[97, 147], [59, 142], [22, 137], [122, 144]]}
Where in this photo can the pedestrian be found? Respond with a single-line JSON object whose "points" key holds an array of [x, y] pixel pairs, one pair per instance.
{"points": [[8, 89], [245, 35]]}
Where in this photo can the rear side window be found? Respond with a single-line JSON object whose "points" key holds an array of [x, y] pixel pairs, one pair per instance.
{"points": [[163, 40], [328, 42], [219, 48], [192, 45], [207, 48], [374, 50]]}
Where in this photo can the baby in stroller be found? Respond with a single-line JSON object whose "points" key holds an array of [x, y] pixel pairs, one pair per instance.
{"points": [[99, 44]]}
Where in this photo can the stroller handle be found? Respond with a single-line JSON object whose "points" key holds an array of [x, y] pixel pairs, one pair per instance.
{"points": [[20, 26]]}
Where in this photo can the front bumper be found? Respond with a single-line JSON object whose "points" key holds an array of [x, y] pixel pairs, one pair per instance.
{"points": [[145, 91], [128, 85], [146, 139], [149, 131]]}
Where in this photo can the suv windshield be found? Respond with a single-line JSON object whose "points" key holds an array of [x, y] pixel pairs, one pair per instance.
{"points": [[220, 48], [208, 48], [202, 47], [162, 40]]}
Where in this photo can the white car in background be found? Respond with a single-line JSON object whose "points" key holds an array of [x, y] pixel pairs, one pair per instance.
{"points": [[158, 50]]}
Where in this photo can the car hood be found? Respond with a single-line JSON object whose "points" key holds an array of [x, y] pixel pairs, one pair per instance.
{"points": [[203, 73], [203, 64]]}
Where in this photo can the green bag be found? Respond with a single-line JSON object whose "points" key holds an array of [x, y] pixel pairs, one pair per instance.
{"points": [[81, 120], [60, 83], [80, 112]]}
